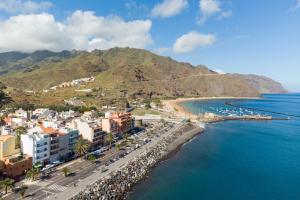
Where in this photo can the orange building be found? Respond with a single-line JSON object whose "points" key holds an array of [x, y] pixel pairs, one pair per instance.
{"points": [[118, 122], [17, 165], [12, 162]]}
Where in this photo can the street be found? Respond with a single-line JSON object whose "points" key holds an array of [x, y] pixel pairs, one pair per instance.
{"points": [[80, 169]]}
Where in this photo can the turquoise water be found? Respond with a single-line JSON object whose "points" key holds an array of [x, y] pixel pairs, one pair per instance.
{"points": [[234, 160]]}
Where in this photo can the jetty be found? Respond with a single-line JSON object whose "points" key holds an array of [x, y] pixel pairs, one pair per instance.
{"points": [[211, 117], [263, 110]]}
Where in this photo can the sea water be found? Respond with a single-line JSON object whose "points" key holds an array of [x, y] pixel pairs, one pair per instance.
{"points": [[234, 160]]}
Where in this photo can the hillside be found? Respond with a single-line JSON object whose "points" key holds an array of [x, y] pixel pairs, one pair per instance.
{"points": [[263, 84], [135, 73]]}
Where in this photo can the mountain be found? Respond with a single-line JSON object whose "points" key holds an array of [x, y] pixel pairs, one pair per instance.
{"points": [[136, 73], [263, 84]]}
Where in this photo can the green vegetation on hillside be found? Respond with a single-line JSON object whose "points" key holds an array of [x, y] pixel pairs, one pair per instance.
{"points": [[120, 73]]}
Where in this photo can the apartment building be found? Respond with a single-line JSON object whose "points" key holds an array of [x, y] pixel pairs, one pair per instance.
{"points": [[90, 130], [12, 162], [118, 122], [36, 144]]}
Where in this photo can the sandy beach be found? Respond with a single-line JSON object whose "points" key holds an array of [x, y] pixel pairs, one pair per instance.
{"points": [[174, 107]]}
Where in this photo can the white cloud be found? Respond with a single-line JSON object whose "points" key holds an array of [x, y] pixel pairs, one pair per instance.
{"points": [[191, 41], [82, 30], [225, 14], [169, 8], [24, 6], [296, 7], [209, 8], [219, 71]]}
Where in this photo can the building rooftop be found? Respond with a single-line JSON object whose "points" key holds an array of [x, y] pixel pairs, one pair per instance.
{"points": [[3, 138]]}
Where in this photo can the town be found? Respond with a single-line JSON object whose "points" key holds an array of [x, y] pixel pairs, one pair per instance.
{"points": [[43, 151]]}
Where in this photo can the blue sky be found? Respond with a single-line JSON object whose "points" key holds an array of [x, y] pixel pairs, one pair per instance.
{"points": [[257, 36]]}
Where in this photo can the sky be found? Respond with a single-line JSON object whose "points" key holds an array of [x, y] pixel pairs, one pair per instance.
{"points": [[229, 36]]}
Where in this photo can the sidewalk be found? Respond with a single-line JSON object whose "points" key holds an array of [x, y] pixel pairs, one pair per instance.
{"points": [[72, 191]]}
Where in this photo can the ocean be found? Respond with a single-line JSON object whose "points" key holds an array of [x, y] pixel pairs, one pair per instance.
{"points": [[234, 160]]}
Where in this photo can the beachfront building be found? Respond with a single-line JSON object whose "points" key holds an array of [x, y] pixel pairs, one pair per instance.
{"points": [[12, 162], [62, 140], [36, 144], [90, 130], [118, 122], [73, 136]]}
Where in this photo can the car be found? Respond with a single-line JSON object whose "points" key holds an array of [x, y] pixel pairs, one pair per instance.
{"points": [[103, 169], [56, 163], [104, 149]]}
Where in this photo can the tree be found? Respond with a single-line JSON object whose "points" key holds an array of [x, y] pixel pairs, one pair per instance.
{"points": [[91, 157], [4, 98], [33, 174], [22, 191], [126, 135], [19, 131], [118, 147], [163, 122], [66, 171], [109, 139], [81, 147], [7, 184]]}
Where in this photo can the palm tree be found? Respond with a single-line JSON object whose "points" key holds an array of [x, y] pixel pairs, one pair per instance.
{"points": [[126, 135], [22, 191], [33, 174], [7, 183], [19, 131], [118, 147], [66, 171], [81, 147], [110, 139]]}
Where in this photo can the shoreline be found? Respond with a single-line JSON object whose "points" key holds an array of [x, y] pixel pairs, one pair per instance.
{"points": [[173, 149], [121, 182], [174, 107]]}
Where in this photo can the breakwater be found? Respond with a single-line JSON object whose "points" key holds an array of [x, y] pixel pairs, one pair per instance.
{"points": [[117, 185], [262, 110]]}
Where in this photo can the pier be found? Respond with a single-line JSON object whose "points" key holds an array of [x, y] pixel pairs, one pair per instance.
{"points": [[209, 117], [262, 110]]}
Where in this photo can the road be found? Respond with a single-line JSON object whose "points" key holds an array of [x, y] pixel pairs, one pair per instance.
{"points": [[97, 175], [81, 170]]}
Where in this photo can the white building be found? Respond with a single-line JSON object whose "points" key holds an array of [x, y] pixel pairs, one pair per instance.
{"points": [[90, 130], [6, 130], [22, 113], [52, 124], [36, 144]]}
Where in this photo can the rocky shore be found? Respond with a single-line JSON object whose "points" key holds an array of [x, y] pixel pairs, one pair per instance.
{"points": [[117, 185]]}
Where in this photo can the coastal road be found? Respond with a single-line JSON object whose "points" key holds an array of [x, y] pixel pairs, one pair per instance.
{"points": [[58, 183], [71, 191], [81, 169]]}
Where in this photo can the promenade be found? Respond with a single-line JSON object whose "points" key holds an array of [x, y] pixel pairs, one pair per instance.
{"points": [[126, 164]]}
